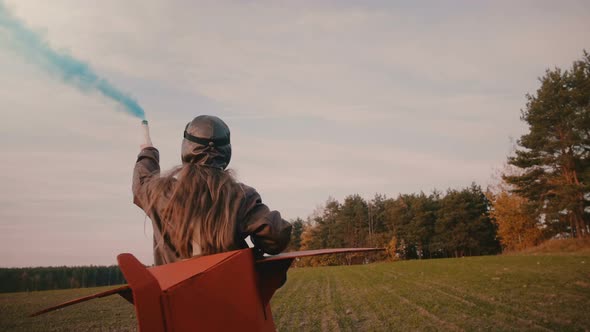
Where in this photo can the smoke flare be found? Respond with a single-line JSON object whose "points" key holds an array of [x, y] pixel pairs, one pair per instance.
{"points": [[72, 71]]}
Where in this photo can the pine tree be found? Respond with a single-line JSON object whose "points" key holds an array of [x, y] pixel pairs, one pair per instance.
{"points": [[295, 243], [554, 154]]}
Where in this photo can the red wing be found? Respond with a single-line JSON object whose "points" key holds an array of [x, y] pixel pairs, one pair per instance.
{"points": [[305, 253], [124, 291]]}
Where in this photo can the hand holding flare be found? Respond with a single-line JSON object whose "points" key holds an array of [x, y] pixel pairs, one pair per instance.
{"points": [[147, 141]]}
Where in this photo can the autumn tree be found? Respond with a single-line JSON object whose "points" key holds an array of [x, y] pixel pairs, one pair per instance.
{"points": [[517, 227]]}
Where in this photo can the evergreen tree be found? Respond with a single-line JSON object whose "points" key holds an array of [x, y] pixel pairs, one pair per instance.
{"points": [[463, 226], [554, 153], [295, 243]]}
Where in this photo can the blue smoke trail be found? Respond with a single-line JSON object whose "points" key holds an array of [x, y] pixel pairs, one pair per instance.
{"points": [[75, 72]]}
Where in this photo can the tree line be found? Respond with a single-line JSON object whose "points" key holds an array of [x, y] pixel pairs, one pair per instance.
{"points": [[454, 224], [46, 278]]}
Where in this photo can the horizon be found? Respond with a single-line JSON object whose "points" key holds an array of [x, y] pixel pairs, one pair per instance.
{"points": [[323, 100]]}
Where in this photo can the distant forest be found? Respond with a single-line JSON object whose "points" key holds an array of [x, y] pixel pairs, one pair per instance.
{"points": [[46, 278], [436, 225]]}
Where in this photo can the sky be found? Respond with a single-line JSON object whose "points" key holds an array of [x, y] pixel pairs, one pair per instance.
{"points": [[323, 98]]}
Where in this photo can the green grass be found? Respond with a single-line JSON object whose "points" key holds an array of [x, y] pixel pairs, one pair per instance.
{"points": [[542, 292], [107, 314]]}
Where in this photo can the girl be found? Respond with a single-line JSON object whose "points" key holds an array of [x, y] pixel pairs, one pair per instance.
{"points": [[198, 208]]}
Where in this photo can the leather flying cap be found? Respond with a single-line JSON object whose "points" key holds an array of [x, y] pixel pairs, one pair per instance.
{"points": [[206, 142]]}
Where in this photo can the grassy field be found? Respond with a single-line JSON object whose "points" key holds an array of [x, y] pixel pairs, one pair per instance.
{"points": [[533, 292]]}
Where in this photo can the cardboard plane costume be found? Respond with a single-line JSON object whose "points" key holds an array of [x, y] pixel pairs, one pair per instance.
{"points": [[223, 292]]}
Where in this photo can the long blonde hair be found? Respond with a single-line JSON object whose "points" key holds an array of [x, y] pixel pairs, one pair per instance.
{"points": [[202, 209]]}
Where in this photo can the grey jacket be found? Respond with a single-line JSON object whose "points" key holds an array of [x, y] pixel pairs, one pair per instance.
{"points": [[268, 231]]}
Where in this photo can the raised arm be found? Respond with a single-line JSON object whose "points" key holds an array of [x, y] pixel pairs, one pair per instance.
{"points": [[267, 229], [146, 167]]}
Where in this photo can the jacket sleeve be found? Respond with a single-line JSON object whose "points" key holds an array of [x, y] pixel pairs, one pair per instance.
{"points": [[147, 166], [267, 229]]}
